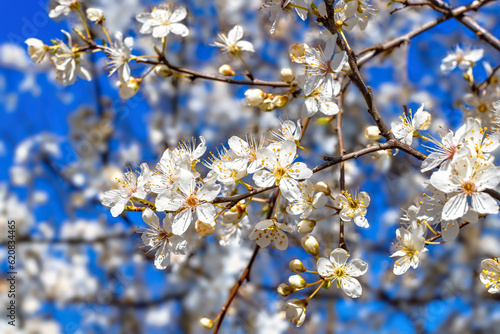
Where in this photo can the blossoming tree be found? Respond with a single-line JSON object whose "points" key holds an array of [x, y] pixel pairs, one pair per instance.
{"points": [[296, 186]]}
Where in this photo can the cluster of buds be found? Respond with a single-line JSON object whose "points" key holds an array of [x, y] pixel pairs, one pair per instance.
{"points": [[266, 102]]}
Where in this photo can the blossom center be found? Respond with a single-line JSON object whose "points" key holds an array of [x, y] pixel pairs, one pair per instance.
{"points": [[468, 187], [192, 201]]}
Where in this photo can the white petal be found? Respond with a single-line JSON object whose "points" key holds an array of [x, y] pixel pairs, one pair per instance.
{"points": [[182, 221], [338, 257]]}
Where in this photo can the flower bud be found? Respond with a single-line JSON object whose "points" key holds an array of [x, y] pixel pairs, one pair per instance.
{"points": [[285, 289], [297, 282], [129, 88], [427, 124], [95, 15], [295, 311], [226, 70], [310, 244], [306, 226], [36, 49], [373, 133], [163, 71], [280, 101], [327, 284], [204, 229], [267, 105], [287, 75], [296, 266], [207, 323], [254, 97], [322, 187]]}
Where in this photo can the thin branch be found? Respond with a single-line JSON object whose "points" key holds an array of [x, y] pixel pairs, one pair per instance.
{"points": [[372, 51], [342, 243]]}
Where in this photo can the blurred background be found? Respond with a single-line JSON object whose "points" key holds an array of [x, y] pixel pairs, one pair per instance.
{"points": [[82, 271]]}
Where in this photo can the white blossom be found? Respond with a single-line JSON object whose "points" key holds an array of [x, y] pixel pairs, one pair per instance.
{"points": [[353, 207], [161, 239], [232, 43], [69, 63], [464, 59], [129, 186], [271, 230], [36, 49], [490, 275], [247, 149], [119, 56], [307, 201], [405, 128], [280, 170], [322, 99], [462, 180], [63, 7], [162, 21], [409, 246], [187, 200], [337, 269]]}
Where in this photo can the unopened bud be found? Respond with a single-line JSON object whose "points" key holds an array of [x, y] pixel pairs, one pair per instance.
{"points": [[310, 244], [296, 266], [254, 97], [285, 289], [95, 15], [373, 133], [204, 229], [163, 71], [267, 105], [428, 121], [226, 70], [322, 187], [207, 323], [327, 284], [280, 101], [297, 282], [306, 226], [287, 75]]}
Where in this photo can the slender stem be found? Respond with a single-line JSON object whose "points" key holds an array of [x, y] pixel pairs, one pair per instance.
{"points": [[315, 291], [247, 68], [303, 8], [430, 228], [84, 21], [342, 243], [106, 33]]}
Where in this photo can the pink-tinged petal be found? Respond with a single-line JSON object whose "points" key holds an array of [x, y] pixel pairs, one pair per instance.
{"points": [[351, 287], [206, 212], [484, 203], [325, 267], [455, 208], [449, 230], [356, 268], [263, 178], [182, 221], [338, 257]]}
